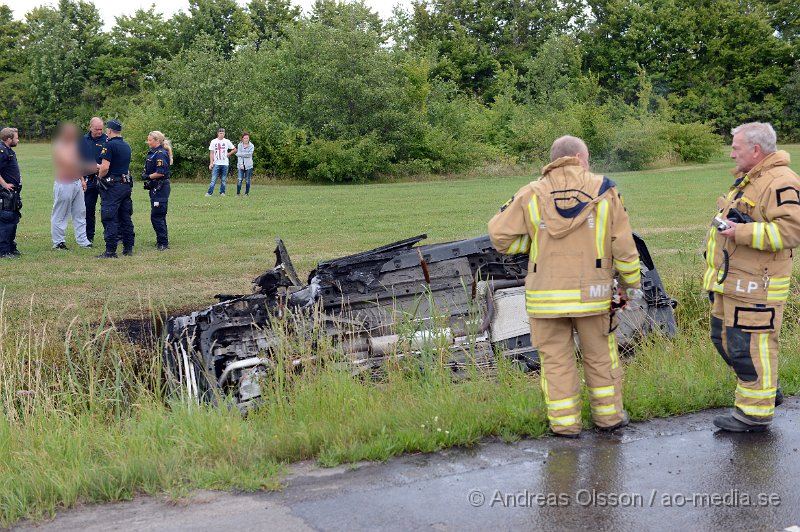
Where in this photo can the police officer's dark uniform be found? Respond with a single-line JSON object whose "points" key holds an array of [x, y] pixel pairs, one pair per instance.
{"points": [[10, 202], [157, 163], [91, 148], [116, 206]]}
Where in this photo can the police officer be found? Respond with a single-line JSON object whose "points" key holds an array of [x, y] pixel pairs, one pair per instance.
{"points": [[114, 182], [749, 270], [10, 188], [156, 180], [574, 227], [91, 147]]}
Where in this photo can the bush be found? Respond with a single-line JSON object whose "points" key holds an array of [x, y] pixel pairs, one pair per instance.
{"points": [[694, 142], [345, 161], [636, 144]]}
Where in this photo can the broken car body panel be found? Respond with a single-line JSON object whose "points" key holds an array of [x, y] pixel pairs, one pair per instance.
{"points": [[388, 302]]}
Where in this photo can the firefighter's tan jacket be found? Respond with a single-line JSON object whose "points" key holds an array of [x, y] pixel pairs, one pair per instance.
{"points": [[760, 260], [574, 227]]}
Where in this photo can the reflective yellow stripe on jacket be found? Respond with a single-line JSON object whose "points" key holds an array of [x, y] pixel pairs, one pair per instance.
{"points": [[766, 236], [533, 211], [778, 289], [629, 271], [710, 280], [520, 245], [561, 301], [600, 228]]}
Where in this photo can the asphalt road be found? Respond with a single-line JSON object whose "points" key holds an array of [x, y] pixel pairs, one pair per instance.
{"points": [[667, 474]]}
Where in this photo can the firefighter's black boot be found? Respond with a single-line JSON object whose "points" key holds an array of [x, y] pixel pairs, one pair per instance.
{"points": [[624, 423], [731, 424]]}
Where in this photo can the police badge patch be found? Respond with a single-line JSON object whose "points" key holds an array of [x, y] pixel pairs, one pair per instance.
{"points": [[506, 204]]}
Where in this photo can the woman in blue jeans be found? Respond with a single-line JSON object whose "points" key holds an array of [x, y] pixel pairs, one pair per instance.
{"points": [[244, 152]]}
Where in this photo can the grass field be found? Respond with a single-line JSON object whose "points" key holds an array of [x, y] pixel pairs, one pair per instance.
{"points": [[84, 415]]}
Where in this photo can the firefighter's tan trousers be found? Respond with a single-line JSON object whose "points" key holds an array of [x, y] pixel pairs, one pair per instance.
{"points": [[559, 376], [746, 335]]}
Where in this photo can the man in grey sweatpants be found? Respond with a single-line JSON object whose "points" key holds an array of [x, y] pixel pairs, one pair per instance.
{"points": [[68, 201], [68, 189]]}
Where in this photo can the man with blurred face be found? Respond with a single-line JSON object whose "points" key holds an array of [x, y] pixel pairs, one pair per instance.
{"points": [[68, 190], [749, 270]]}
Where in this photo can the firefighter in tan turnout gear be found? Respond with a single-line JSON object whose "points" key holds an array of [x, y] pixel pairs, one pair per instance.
{"points": [[574, 227], [749, 267]]}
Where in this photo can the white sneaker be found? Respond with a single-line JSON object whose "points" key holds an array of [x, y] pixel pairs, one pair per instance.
{"points": [[208, 195], [222, 194]]}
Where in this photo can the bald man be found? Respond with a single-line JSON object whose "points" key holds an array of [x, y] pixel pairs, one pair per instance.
{"points": [[91, 147], [575, 229]]}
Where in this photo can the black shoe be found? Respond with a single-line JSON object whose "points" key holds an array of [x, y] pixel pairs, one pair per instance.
{"points": [[15, 252], [162, 247], [61, 245], [568, 436], [624, 423], [107, 255], [731, 424], [128, 252], [778, 396]]}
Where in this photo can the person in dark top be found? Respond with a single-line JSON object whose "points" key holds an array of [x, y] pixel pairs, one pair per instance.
{"points": [[156, 181], [10, 188], [114, 182], [91, 146]]}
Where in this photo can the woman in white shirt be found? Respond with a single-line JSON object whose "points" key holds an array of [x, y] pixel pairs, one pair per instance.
{"points": [[244, 152]]}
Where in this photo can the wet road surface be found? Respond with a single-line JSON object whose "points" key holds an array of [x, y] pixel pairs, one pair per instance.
{"points": [[666, 474]]}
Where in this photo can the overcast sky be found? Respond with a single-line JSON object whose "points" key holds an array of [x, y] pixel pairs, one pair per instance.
{"points": [[114, 8]]}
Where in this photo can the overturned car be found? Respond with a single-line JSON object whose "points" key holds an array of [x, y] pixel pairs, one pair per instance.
{"points": [[391, 302]]}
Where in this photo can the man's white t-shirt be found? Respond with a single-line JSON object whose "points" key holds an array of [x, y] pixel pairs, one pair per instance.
{"points": [[220, 149]]}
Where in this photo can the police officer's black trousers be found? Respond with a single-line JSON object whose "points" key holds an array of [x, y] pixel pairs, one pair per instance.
{"points": [[159, 199], [8, 231], [90, 199], [116, 209]]}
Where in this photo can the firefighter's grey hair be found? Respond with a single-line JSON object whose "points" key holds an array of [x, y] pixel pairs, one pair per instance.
{"points": [[758, 133], [566, 146]]}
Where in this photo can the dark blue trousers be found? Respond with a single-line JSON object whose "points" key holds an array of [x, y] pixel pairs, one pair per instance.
{"points": [[90, 199], [116, 209], [158, 213], [8, 231]]}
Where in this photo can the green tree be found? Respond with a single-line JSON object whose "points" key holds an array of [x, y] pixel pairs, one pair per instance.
{"points": [[333, 77], [270, 18], [131, 52], [222, 20], [791, 111], [785, 18], [476, 39], [63, 43], [715, 60], [13, 76]]}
